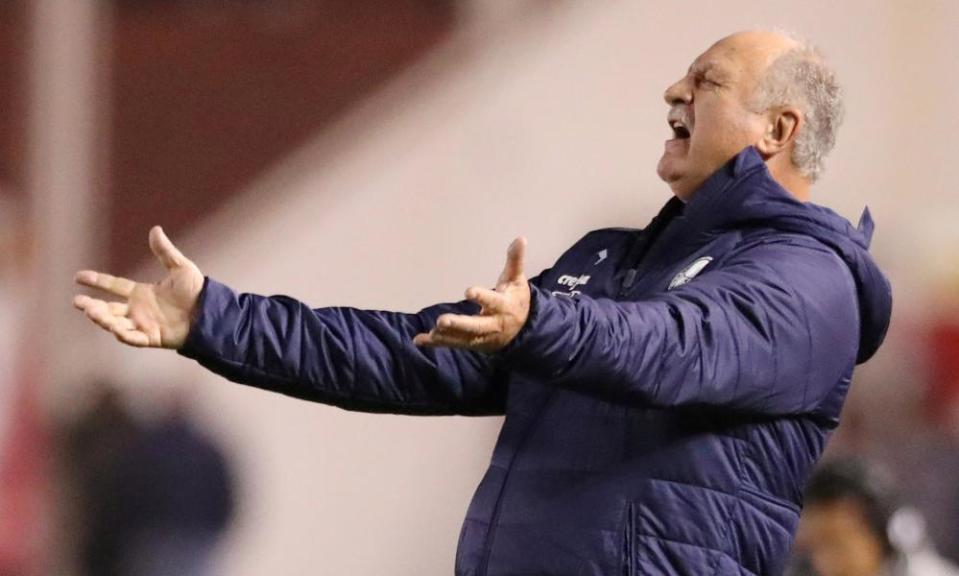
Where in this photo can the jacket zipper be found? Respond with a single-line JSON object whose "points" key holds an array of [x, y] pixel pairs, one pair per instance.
{"points": [[629, 546], [642, 246]]}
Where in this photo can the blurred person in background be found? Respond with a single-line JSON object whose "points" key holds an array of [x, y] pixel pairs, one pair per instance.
{"points": [[173, 498], [157, 498], [666, 390], [93, 446], [908, 422], [854, 523]]}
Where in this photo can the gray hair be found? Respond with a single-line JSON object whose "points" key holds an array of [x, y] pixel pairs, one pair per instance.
{"points": [[800, 77]]}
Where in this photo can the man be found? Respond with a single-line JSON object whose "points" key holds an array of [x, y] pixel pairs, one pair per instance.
{"points": [[853, 524], [666, 390]]}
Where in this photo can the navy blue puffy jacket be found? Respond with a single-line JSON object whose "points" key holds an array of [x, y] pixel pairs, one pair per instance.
{"points": [[664, 402]]}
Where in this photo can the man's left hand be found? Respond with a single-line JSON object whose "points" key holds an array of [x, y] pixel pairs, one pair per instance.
{"points": [[503, 311]]}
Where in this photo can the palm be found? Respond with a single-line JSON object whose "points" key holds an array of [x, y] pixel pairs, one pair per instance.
{"points": [[162, 311], [503, 311], [146, 315]]}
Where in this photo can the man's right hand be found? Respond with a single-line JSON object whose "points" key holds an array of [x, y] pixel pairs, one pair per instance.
{"points": [[146, 315]]}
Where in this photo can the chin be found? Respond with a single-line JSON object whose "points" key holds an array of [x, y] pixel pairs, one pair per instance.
{"points": [[668, 172], [678, 181], [681, 190]]}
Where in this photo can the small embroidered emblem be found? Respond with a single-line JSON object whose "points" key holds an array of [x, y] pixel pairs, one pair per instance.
{"points": [[689, 272]]}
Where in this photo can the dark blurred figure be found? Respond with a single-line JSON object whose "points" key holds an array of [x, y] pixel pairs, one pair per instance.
{"points": [[94, 445], [161, 504], [174, 499], [854, 524]]}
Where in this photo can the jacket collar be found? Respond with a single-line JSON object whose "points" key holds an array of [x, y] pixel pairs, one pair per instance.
{"points": [[681, 228], [719, 200]]}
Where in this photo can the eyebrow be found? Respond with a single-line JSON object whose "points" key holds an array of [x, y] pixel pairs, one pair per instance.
{"points": [[709, 68], [705, 67]]}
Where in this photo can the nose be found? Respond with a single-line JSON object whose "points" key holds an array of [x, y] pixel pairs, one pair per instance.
{"points": [[679, 93]]}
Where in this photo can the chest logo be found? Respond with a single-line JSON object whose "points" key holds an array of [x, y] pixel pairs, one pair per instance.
{"points": [[689, 272], [573, 282]]}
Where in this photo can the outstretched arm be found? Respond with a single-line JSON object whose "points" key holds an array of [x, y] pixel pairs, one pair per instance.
{"points": [[357, 359]]}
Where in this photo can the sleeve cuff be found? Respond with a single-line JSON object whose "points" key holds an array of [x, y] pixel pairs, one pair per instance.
{"points": [[536, 348], [211, 309]]}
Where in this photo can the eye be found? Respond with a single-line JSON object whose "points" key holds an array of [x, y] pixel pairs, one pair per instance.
{"points": [[701, 80], [704, 81]]}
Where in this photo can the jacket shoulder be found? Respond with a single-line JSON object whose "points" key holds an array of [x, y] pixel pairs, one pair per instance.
{"points": [[756, 237], [610, 241], [606, 236]]}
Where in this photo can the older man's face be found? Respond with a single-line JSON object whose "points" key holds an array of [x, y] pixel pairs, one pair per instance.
{"points": [[710, 112]]}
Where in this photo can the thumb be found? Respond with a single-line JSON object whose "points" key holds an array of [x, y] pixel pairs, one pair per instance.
{"points": [[515, 261], [164, 250]]}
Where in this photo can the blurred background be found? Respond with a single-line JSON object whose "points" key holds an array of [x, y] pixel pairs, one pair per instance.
{"points": [[382, 154]]}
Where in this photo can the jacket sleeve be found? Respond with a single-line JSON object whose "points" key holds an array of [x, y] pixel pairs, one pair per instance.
{"points": [[355, 359], [771, 331]]}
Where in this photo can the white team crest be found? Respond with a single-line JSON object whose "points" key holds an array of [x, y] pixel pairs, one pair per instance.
{"points": [[689, 272]]}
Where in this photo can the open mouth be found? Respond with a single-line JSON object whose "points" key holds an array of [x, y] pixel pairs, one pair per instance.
{"points": [[680, 131]]}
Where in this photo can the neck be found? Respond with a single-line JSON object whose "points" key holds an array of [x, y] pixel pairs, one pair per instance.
{"points": [[786, 175]]}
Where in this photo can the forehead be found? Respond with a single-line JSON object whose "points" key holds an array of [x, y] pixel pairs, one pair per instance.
{"points": [[837, 519], [719, 59], [743, 55]]}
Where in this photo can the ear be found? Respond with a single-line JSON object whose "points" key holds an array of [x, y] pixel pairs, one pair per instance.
{"points": [[783, 127]]}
